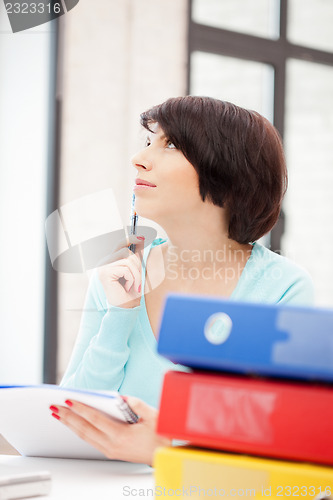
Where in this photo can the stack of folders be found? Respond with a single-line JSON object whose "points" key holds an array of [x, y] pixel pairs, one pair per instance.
{"points": [[257, 408]]}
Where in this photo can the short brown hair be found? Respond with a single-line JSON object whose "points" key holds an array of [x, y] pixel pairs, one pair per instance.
{"points": [[237, 154]]}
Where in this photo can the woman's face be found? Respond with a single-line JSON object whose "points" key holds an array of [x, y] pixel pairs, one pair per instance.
{"points": [[173, 182]]}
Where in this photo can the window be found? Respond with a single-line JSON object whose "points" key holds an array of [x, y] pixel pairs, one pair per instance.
{"points": [[26, 156], [277, 57]]}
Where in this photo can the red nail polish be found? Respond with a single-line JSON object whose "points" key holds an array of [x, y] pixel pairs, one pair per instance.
{"points": [[69, 403], [54, 409], [124, 398], [140, 238], [55, 416]]}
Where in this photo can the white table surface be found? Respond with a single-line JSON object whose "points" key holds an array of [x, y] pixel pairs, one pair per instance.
{"points": [[86, 479]]}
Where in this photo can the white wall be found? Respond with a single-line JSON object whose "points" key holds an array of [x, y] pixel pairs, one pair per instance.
{"points": [[24, 69]]}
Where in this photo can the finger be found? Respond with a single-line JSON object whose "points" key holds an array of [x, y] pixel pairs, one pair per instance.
{"points": [[139, 246], [120, 257], [84, 429], [127, 241], [142, 409], [131, 265], [110, 428], [122, 251], [105, 423], [135, 259], [119, 272], [135, 266], [92, 425], [136, 239], [116, 439]]}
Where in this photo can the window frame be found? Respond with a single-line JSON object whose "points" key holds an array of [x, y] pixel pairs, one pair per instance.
{"points": [[274, 52], [50, 348], [254, 48]]}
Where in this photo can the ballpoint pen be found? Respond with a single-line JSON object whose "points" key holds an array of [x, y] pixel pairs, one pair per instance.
{"points": [[134, 220]]}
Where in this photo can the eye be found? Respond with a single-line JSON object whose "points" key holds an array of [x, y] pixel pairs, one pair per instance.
{"points": [[170, 145]]}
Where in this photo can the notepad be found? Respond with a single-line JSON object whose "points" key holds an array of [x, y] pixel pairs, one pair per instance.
{"points": [[24, 485], [26, 421]]}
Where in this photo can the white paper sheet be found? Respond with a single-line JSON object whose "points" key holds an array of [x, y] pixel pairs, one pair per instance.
{"points": [[27, 424]]}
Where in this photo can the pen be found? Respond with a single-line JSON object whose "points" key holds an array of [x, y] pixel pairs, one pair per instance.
{"points": [[134, 220]]}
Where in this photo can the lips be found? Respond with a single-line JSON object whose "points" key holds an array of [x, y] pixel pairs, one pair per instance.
{"points": [[141, 182]]}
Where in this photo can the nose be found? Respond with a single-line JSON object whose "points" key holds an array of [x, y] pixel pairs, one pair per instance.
{"points": [[141, 160]]}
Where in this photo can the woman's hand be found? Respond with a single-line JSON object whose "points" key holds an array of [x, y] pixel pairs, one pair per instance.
{"points": [[116, 440], [121, 279]]}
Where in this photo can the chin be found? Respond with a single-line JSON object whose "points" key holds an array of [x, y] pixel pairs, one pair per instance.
{"points": [[143, 207], [151, 213]]}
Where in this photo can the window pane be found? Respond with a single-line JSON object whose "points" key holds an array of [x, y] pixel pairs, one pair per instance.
{"points": [[254, 17], [26, 79], [246, 83], [310, 23], [309, 149]]}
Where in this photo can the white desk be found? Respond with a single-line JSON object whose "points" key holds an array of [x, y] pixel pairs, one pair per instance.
{"points": [[86, 479]]}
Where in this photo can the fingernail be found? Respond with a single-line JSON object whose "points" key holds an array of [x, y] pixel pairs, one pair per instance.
{"points": [[124, 398], [55, 416], [54, 409], [139, 289], [69, 403], [140, 237]]}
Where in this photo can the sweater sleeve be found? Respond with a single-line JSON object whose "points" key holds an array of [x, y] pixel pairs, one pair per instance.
{"points": [[101, 349]]}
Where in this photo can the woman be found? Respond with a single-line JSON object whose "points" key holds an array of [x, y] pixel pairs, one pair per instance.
{"points": [[213, 176]]}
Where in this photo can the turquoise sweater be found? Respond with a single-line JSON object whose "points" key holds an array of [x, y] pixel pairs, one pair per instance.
{"points": [[117, 350]]}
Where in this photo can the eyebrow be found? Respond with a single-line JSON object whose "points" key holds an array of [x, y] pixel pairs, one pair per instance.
{"points": [[161, 137]]}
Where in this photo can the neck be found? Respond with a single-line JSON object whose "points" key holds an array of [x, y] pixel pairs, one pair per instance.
{"points": [[197, 239]]}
